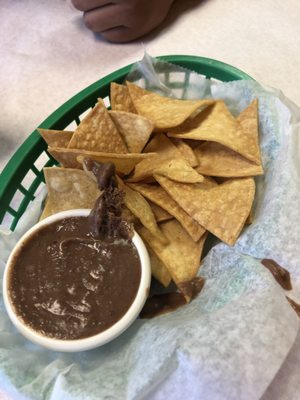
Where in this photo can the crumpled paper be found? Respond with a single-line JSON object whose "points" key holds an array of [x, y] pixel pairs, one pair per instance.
{"points": [[230, 342]]}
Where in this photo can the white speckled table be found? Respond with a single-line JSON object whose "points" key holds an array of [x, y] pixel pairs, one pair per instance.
{"points": [[47, 55]]}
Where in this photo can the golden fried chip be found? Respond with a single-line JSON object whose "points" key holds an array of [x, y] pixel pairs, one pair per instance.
{"points": [[181, 256], [46, 209], [68, 189], [248, 120], [250, 217], [55, 138], [139, 207], [222, 209], [186, 151], [159, 271], [192, 288], [164, 112], [127, 215], [168, 162], [159, 213], [120, 99], [217, 160], [97, 132], [134, 129], [159, 196], [72, 158], [218, 125]]}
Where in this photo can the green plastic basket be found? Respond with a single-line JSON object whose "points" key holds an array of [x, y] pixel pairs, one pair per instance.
{"points": [[23, 174]]}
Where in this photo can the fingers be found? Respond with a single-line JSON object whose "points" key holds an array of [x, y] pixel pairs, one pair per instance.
{"points": [[121, 34], [104, 18], [87, 5], [114, 23], [123, 20]]}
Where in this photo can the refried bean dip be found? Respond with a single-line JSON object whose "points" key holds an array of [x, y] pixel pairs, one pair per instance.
{"points": [[78, 276]]}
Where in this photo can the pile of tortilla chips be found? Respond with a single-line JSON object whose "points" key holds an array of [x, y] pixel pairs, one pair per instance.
{"points": [[186, 167]]}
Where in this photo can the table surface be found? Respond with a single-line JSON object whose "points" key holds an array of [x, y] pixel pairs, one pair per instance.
{"points": [[47, 56]]}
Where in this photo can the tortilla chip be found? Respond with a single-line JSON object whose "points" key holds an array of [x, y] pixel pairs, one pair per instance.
{"points": [[164, 112], [120, 99], [160, 197], [97, 132], [129, 217], [72, 158], [248, 120], [55, 138], [168, 162], [134, 129], [191, 288], [159, 271], [218, 125], [221, 209], [181, 256], [68, 189], [186, 151], [46, 209], [250, 217], [217, 160], [139, 207], [160, 214]]}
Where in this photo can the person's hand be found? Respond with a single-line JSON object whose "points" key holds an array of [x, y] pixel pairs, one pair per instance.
{"points": [[123, 20]]}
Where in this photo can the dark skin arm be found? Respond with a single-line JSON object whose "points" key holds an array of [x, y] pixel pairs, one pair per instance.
{"points": [[123, 20]]}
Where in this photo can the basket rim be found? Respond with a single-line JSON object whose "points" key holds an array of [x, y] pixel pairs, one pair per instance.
{"points": [[15, 166]]}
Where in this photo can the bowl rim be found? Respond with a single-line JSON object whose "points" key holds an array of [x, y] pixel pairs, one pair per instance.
{"points": [[92, 341]]}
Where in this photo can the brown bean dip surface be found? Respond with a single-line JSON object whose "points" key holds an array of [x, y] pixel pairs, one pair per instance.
{"points": [[68, 285], [78, 276]]}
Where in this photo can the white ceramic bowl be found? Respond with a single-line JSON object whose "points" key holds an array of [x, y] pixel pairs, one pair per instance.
{"points": [[92, 341]]}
